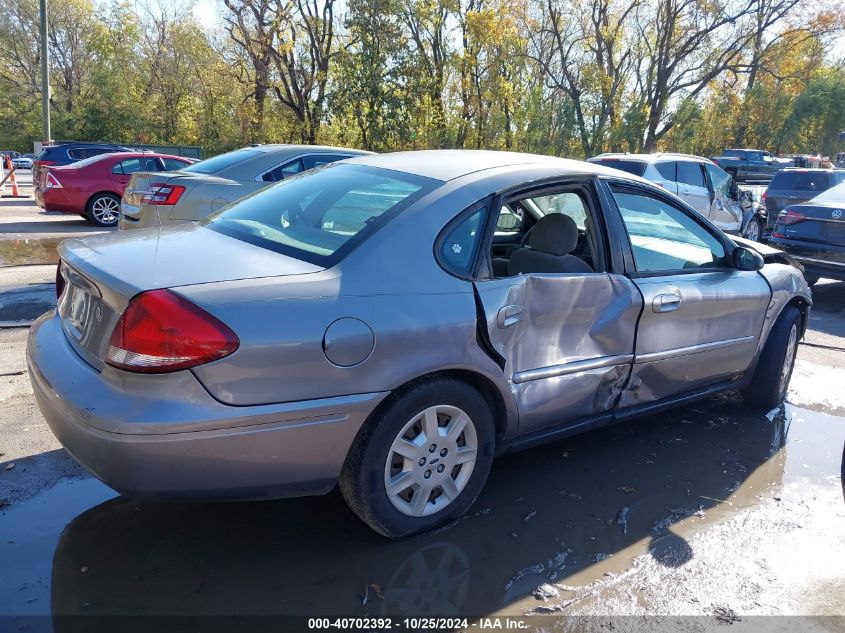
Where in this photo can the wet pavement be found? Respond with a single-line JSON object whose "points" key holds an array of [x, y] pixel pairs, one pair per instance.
{"points": [[555, 527], [713, 510]]}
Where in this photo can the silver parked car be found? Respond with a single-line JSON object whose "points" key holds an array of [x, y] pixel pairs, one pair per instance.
{"points": [[192, 193], [392, 322], [699, 182]]}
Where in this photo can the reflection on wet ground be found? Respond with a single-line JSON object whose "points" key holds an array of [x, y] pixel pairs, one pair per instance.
{"points": [[25, 251], [567, 513]]}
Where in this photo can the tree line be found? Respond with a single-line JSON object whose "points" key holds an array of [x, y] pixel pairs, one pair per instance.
{"points": [[564, 77]]}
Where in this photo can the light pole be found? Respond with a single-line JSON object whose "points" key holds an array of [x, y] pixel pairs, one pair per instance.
{"points": [[45, 78]]}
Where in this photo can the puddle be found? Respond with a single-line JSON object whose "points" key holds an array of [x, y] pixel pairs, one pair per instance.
{"points": [[23, 251], [551, 519]]}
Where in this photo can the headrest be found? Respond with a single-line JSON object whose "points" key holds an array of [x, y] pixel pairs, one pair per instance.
{"points": [[555, 233]]}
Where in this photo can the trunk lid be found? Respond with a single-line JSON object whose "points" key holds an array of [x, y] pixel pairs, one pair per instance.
{"points": [[102, 273], [821, 223], [138, 214]]}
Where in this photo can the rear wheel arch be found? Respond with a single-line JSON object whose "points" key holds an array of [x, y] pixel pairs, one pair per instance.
{"points": [[483, 385], [100, 193]]}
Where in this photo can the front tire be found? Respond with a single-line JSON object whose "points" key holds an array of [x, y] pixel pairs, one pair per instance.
{"points": [[753, 230], [103, 209], [421, 461], [774, 369]]}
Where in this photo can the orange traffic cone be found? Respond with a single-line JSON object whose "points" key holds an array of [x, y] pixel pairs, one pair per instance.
{"points": [[15, 192]]}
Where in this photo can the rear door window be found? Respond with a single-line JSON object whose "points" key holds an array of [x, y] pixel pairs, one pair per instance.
{"points": [[223, 161], [690, 174], [172, 164], [315, 160], [283, 171], [667, 170], [635, 167]]}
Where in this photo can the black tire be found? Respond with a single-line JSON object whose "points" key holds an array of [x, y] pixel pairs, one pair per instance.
{"points": [[93, 210], [767, 389], [363, 479], [811, 280]]}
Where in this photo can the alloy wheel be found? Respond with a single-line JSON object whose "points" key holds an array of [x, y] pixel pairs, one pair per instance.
{"points": [[431, 460], [105, 210], [752, 231]]}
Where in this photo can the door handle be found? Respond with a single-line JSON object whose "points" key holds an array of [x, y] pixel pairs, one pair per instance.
{"points": [[666, 303], [508, 316]]}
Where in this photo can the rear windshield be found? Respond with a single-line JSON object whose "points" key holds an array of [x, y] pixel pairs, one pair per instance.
{"points": [[801, 181], [321, 215], [834, 195], [221, 162], [631, 166]]}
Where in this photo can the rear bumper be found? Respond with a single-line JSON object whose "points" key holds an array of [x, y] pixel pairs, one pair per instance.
{"points": [[824, 260], [58, 200], [171, 439]]}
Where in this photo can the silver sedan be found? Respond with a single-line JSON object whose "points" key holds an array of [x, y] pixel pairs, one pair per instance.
{"points": [[393, 322], [192, 193]]}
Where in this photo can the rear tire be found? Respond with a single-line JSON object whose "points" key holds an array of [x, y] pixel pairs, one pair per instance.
{"points": [[429, 487], [103, 209], [770, 383]]}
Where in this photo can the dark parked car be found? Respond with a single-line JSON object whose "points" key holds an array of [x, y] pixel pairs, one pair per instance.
{"points": [[794, 186], [67, 153], [814, 233], [750, 164]]}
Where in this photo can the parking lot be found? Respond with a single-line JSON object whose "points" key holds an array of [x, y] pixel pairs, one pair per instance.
{"points": [[710, 510]]}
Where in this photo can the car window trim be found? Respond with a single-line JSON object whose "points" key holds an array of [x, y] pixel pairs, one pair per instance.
{"points": [[290, 159], [637, 188], [485, 204], [555, 185]]}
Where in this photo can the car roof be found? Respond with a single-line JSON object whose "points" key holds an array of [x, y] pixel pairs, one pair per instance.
{"points": [[449, 164], [653, 157], [824, 170], [271, 148]]}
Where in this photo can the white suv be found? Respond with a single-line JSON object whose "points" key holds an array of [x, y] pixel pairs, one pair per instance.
{"points": [[698, 181]]}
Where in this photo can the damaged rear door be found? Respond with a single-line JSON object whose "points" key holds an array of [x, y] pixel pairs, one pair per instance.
{"points": [[566, 339]]}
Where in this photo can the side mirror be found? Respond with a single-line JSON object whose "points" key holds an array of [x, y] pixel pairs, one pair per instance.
{"points": [[746, 259]]}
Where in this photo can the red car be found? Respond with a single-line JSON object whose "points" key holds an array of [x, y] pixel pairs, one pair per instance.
{"points": [[93, 187]]}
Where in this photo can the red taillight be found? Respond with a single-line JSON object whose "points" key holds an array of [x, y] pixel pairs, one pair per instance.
{"points": [[160, 193], [51, 182], [161, 331], [60, 281], [764, 196], [792, 217]]}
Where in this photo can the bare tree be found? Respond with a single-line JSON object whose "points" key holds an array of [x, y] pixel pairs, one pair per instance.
{"points": [[685, 44], [253, 26], [776, 28], [303, 53]]}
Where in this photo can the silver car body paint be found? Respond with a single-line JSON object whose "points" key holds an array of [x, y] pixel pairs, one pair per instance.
{"points": [[207, 193], [277, 416]]}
